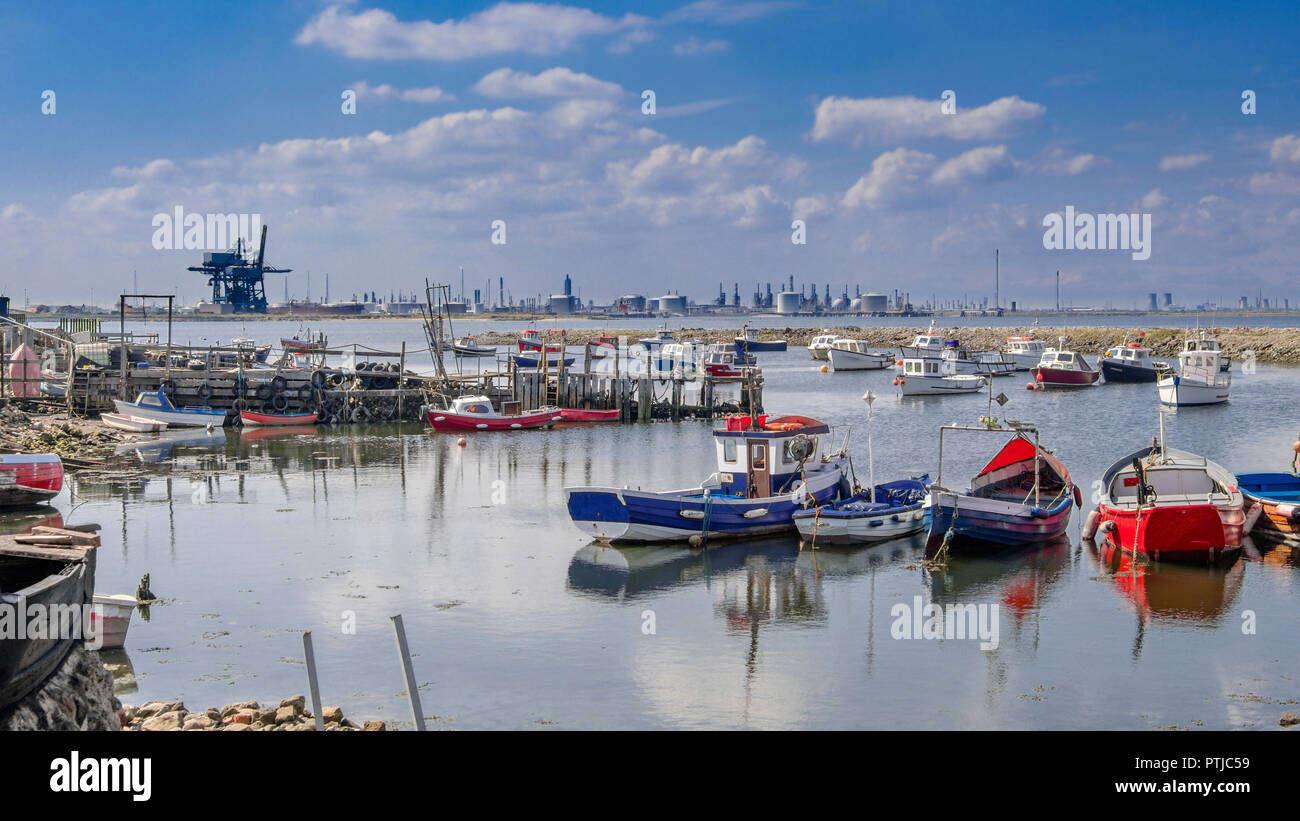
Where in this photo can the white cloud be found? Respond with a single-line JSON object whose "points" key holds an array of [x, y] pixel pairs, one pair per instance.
{"points": [[384, 91], [531, 28], [554, 82], [1285, 150], [1182, 162], [720, 13], [977, 165], [694, 45], [15, 212], [895, 174], [147, 171], [1059, 162], [1153, 200], [881, 119]]}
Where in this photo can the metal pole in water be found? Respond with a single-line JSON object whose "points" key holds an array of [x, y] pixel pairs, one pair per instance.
{"points": [[407, 670], [312, 683]]}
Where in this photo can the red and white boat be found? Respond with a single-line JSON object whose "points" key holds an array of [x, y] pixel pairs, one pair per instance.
{"points": [[531, 341], [588, 415], [253, 419], [477, 413], [110, 618], [1064, 369], [1169, 505], [29, 478]]}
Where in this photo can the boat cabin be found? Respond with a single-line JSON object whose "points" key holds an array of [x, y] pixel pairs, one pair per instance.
{"points": [[760, 457], [1181, 480], [1025, 345], [473, 406], [1203, 344], [1131, 354], [853, 345], [1063, 361], [823, 341], [927, 366]]}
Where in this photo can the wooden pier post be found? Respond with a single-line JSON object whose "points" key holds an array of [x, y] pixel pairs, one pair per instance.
{"points": [[644, 398]]}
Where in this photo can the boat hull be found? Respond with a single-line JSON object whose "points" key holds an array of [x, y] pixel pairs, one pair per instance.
{"points": [[994, 521], [588, 415], [29, 479], [134, 424], [274, 420], [759, 345], [842, 360], [831, 527], [819, 354], [1116, 371], [1175, 390], [1189, 533], [1278, 495], [445, 420], [180, 418], [111, 619], [925, 386], [26, 663], [1060, 378], [535, 361], [636, 516]]}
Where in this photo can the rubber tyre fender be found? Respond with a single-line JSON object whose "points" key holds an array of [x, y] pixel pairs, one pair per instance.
{"points": [[279, 402], [360, 414], [264, 392], [319, 378], [278, 383], [168, 387], [304, 393], [205, 391]]}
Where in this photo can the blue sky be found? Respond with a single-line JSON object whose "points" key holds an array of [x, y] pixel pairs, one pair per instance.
{"points": [[766, 112]]}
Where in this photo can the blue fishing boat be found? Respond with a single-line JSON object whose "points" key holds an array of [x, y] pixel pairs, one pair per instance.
{"points": [[748, 342], [767, 469], [158, 407], [1278, 498], [552, 361], [1023, 496]]}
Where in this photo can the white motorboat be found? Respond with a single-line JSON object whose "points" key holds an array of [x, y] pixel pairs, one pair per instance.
{"points": [[1024, 352], [133, 424], [1205, 343], [854, 355], [1201, 379], [820, 347], [156, 406], [929, 343], [1128, 362], [932, 376]]}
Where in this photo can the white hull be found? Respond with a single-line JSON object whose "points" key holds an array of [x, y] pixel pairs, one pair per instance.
{"points": [[110, 628], [134, 424], [1179, 391], [842, 360], [937, 386], [820, 354], [1023, 361], [839, 531], [174, 419]]}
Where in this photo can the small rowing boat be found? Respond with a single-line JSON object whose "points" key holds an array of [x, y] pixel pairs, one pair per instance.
{"points": [[253, 419], [158, 407], [588, 415], [133, 424], [1278, 496]]}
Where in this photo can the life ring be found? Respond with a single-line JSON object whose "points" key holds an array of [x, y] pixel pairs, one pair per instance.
{"points": [[782, 426], [168, 387], [205, 391], [278, 383], [280, 402], [264, 392], [318, 378]]}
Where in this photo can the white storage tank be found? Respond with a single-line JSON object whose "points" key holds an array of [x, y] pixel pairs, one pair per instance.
{"points": [[787, 302], [875, 303], [672, 304]]}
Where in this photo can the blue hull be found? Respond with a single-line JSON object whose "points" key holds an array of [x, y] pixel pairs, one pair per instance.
{"points": [[999, 528], [646, 517], [759, 347]]}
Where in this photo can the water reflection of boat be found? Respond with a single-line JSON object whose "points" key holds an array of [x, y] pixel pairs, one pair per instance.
{"points": [[22, 521], [119, 664], [260, 433], [159, 447], [1019, 576], [1171, 592], [627, 571]]}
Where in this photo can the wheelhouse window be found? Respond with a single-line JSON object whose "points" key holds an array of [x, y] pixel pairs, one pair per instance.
{"points": [[728, 450]]}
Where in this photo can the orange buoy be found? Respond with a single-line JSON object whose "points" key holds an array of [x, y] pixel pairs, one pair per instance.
{"points": [[899, 363], [895, 380], [460, 443], [1296, 447], [825, 369], [1030, 386]]}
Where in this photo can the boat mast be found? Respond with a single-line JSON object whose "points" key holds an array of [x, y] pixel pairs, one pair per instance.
{"points": [[870, 399]]}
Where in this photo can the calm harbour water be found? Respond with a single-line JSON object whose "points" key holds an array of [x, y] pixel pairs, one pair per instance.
{"points": [[516, 620]]}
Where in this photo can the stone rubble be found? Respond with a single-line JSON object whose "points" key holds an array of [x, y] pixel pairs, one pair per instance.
{"points": [[289, 714]]}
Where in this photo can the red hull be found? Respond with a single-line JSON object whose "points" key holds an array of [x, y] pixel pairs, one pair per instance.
{"points": [[276, 420], [1175, 532], [445, 420], [584, 415], [29, 480], [1053, 376]]}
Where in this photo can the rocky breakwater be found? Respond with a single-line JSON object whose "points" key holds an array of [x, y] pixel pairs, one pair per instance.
{"points": [[78, 696], [291, 714]]}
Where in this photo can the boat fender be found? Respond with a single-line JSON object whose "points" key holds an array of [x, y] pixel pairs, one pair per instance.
{"points": [[264, 392], [280, 402], [336, 379], [1090, 525], [318, 378], [168, 387], [1107, 526], [360, 413], [1252, 516], [240, 404], [1037, 512], [304, 393], [205, 391], [1078, 497], [278, 383], [1287, 511]]}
